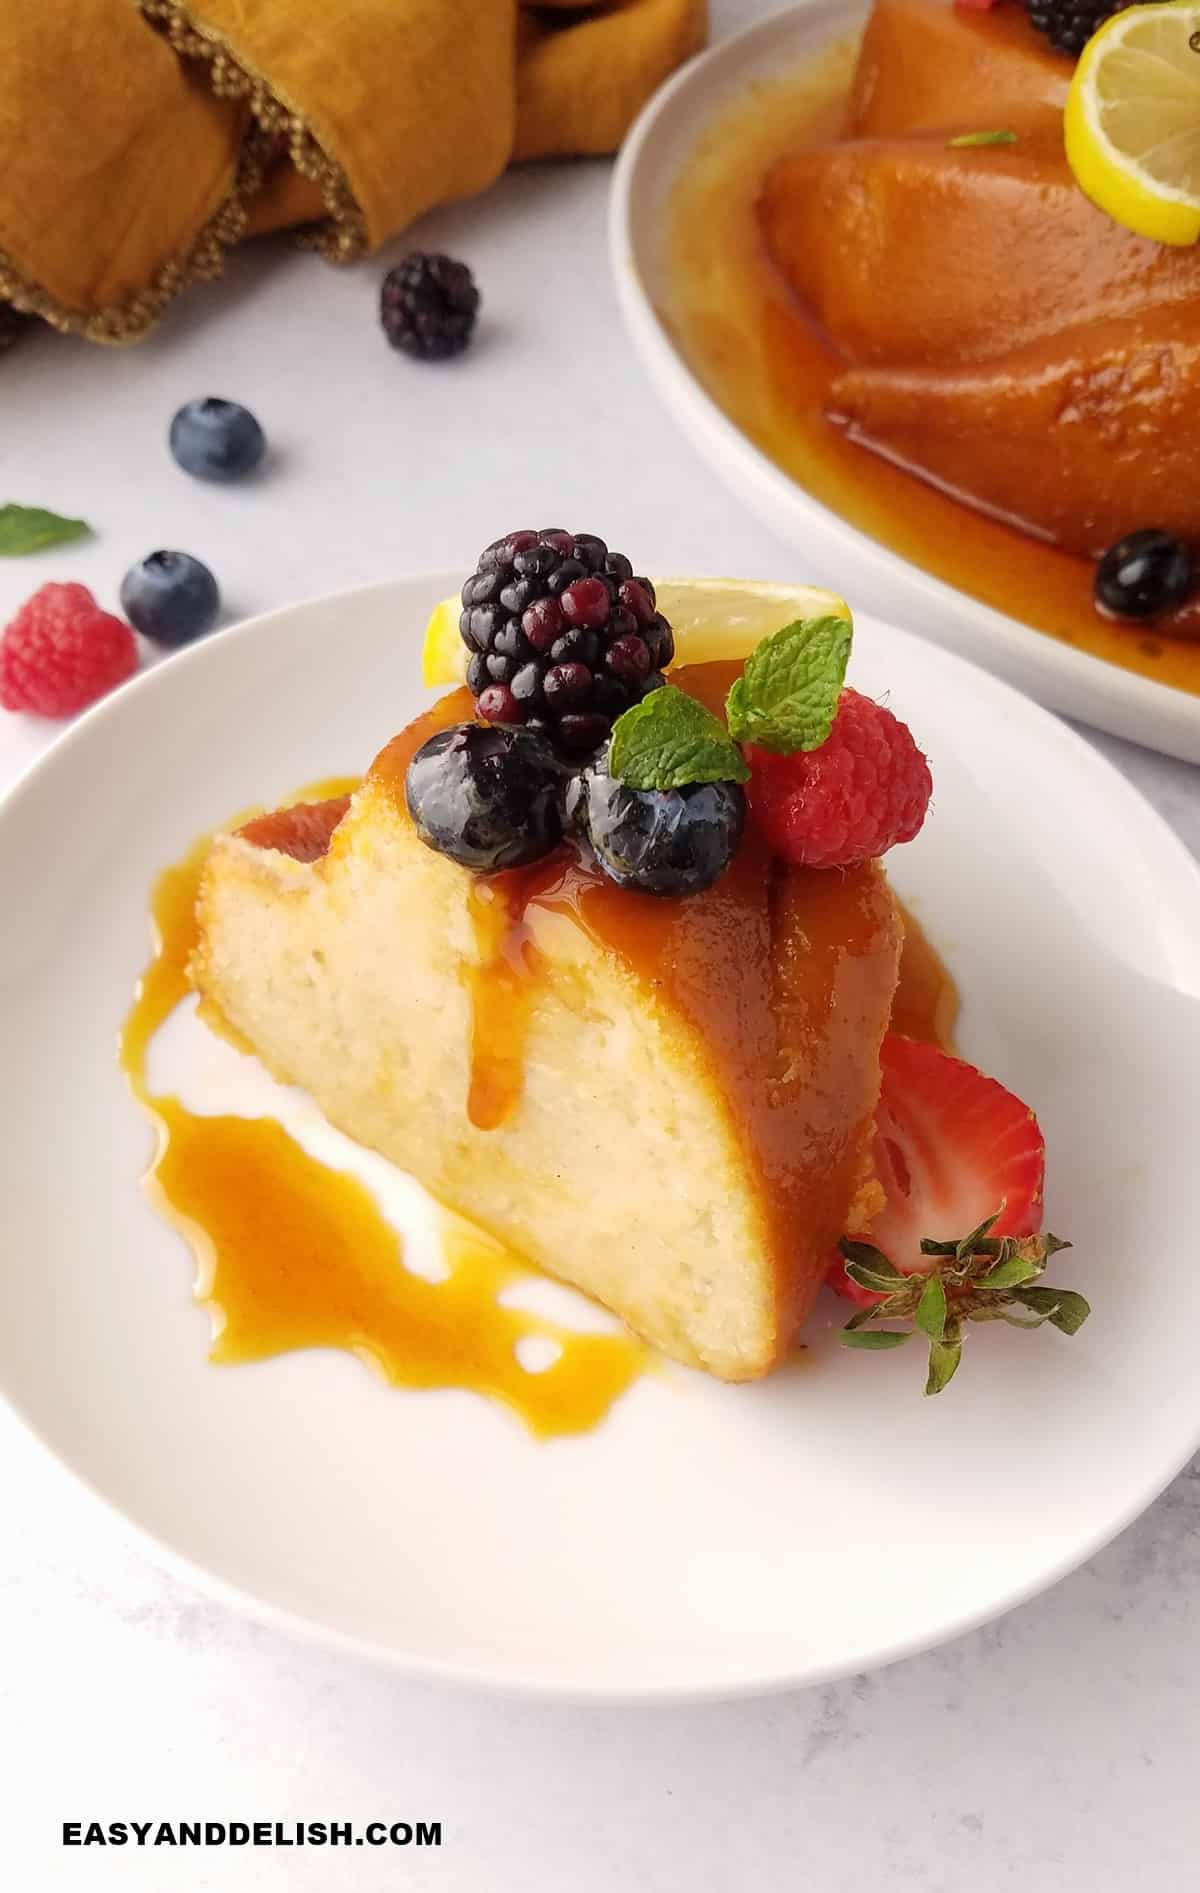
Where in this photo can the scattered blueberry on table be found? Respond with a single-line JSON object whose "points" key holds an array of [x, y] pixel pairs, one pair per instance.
{"points": [[170, 597], [217, 440]]}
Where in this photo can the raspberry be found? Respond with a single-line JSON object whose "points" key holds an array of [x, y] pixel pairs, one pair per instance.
{"points": [[864, 790], [61, 652]]}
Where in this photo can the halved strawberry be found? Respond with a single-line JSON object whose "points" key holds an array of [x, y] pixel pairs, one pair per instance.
{"points": [[952, 1147]]}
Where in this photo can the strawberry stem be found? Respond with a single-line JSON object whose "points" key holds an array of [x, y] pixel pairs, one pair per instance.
{"points": [[980, 1277]]}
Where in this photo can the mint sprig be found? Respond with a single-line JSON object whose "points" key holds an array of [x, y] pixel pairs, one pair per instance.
{"points": [[25, 529], [785, 700], [787, 697], [668, 740], [979, 1277]]}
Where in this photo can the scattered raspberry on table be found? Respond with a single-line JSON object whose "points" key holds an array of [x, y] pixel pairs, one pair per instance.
{"points": [[61, 652]]}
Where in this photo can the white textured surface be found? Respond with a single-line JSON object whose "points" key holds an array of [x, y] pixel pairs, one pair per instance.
{"points": [[1054, 1750]]}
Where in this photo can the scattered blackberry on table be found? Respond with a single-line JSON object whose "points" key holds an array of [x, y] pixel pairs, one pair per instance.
{"points": [[1144, 574], [562, 635], [217, 440], [428, 305], [1069, 24], [170, 597], [488, 798], [657, 841]]}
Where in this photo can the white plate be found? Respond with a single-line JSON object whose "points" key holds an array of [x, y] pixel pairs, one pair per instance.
{"points": [[661, 142], [706, 1539]]}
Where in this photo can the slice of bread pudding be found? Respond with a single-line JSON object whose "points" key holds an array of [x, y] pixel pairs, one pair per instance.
{"points": [[666, 1103]]}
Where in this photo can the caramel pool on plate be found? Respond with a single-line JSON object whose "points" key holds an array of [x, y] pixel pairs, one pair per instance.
{"points": [[292, 1254]]}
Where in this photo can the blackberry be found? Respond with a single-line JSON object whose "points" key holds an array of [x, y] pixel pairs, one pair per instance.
{"points": [[1069, 24], [428, 305], [562, 635]]}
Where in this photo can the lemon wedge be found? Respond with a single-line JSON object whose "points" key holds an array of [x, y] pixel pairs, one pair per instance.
{"points": [[1133, 121], [711, 618]]}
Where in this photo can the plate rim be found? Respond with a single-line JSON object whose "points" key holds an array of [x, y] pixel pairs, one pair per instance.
{"points": [[473, 1675], [1074, 681]]}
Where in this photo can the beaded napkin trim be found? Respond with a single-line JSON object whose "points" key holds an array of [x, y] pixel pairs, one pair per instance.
{"points": [[344, 237], [275, 125]]}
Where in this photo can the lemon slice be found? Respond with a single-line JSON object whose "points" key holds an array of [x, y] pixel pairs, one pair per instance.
{"points": [[1133, 121], [711, 618], [443, 654]]}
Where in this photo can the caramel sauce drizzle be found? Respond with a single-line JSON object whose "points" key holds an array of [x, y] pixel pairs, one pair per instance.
{"points": [[926, 1005], [502, 989], [291, 1253]]}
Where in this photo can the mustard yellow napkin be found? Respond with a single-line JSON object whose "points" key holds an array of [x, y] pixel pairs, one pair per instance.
{"points": [[139, 139]]}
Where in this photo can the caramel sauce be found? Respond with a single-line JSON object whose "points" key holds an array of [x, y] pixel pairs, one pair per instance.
{"points": [[767, 367], [293, 1254], [502, 987], [926, 1003]]}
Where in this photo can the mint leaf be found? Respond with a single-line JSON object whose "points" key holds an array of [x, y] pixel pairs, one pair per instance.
{"points": [[668, 740], [28, 528], [969, 138], [787, 698]]}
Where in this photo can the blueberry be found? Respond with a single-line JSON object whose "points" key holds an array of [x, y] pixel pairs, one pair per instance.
{"points": [[217, 440], [658, 841], [170, 597], [487, 797], [1144, 574]]}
